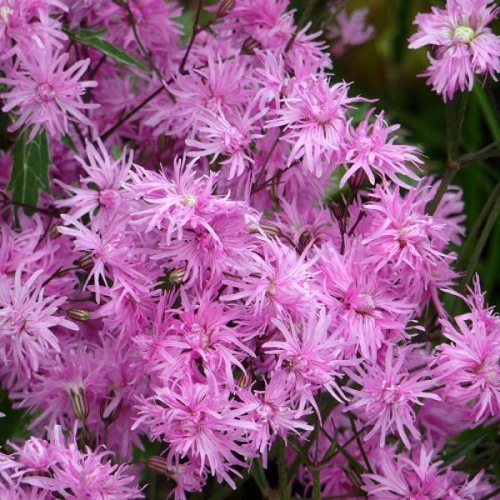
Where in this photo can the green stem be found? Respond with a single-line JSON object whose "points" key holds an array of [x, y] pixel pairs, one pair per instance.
{"points": [[302, 21], [316, 483], [483, 238], [455, 113], [449, 173], [259, 476], [489, 151], [283, 477], [472, 237], [489, 113]]}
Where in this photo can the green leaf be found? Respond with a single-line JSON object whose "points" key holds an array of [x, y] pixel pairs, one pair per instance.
{"points": [[30, 170], [93, 38], [68, 141]]}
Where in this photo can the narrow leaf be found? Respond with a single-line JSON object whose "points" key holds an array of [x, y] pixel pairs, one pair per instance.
{"points": [[30, 170], [93, 38]]}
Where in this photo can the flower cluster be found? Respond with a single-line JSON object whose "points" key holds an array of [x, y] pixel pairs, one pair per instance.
{"points": [[235, 253]]}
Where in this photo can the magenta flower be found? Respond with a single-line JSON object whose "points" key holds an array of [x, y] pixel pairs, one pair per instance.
{"points": [[387, 396], [464, 45], [45, 93]]}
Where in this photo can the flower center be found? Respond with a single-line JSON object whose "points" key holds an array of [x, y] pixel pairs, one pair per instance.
{"points": [[5, 13], [107, 198], [44, 93], [464, 34], [189, 200]]}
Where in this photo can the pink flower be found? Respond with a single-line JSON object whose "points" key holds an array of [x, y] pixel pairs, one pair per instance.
{"points": [[229, 137], [420, 477], [369, 148], [45, 93], [309, 358], [464, 45], [29, 24], [101, 192], [387, 396], [404, 239], [350, 30], [275, 282], [314, 120], [469, 366], [274, 415], [27, 320], [86, 473], [217, 88], [198, 422], [361, 301]]}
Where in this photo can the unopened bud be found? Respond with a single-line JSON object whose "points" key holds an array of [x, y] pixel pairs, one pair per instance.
{"points": [[54, 232], [269, 229], [224, 7], [86, 262], [357, 180], [304, 239], [109, 417], [354, 475], [249, 46], [78, 314], [158, 464], [79, 403], [337, 211], [177, 276]]}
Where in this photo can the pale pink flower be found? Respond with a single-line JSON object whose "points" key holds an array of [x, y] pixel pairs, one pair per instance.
{"points": [[464, 44], [349, 30], [199, 422]]}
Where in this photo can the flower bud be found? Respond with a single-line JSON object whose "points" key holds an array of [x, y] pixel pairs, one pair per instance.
{"points": [[357, 180], [158, 464], [177, 276], [80, 403], [224, 7], [109, 417], [249, 46], [304, 239], [270, 229], [78, 314], [86, 262], [337, 211], [54, 232]]}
